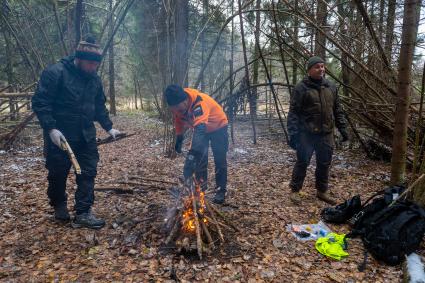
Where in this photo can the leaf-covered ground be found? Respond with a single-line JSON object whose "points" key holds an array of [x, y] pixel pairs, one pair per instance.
{"points": [[34, 248]]}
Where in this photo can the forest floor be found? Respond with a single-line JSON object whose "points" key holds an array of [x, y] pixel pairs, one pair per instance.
{"points": [[34, 248]]}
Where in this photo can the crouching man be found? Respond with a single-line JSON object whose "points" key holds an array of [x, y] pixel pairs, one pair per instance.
{"points": [[194, 109], [68, 99]]}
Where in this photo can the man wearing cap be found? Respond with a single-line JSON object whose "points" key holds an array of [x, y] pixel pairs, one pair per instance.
{"points": [[68, 99], [314, 112], [194, 109]]}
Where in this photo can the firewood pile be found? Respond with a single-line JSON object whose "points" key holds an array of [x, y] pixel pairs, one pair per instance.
{"points": [[193, 224]]}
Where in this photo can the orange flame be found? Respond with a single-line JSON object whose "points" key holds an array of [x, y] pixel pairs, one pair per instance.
{"points": [[188, 220]]}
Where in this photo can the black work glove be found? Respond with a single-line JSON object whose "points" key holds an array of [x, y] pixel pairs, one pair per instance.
{"points": [[179, 143], [189, 166], [293, 141], [344, 135]]}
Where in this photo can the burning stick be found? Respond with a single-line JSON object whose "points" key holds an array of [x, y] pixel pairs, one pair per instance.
{"points": [[198, 229], [191, 220]]}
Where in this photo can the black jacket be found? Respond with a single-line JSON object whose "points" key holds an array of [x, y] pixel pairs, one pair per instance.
{"points": [[70, 101], [315, 108]]}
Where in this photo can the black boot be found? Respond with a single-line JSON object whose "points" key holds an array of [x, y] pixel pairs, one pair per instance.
{"points": [[220, 196], [61, 212], [87, 220]]}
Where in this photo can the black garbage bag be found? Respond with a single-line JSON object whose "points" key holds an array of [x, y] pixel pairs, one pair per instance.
{"points": [[342, 212]]}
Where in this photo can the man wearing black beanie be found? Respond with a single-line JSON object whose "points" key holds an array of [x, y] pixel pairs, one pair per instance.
{"points": [[196, 110], [314, 112], [68, 99]]}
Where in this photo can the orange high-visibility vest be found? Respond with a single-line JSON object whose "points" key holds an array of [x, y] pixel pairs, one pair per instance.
{"points": [[203, 109]]}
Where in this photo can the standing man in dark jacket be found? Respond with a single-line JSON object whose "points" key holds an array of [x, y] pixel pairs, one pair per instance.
{"points": [[68, 99], [194, 109], [314, 112]]}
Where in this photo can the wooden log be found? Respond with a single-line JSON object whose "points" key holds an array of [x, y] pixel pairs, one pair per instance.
{"points": [[173, 231], [221, 215], [16, 95], [207, 234], [215, 222]]}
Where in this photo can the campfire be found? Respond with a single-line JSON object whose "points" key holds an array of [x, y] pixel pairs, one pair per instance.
{"points": [[193, 223]]}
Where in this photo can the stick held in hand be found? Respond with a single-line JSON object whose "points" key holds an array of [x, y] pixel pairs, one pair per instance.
{"points": [[66, 147]]}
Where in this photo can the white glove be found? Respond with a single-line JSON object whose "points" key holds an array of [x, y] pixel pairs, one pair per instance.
{"points": [[56, 136], [114, 133]]}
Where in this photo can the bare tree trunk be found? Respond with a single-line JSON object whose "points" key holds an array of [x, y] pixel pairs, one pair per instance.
{"points": [[69, 34], [295, 55], [180, 58], [140, 95], [58, 25], [135, 90], [256, 64], [320, 42], [9, 57], [112, 102], [231, 82], [418, 134], [389, 34], [203, 43], [344, 62], [408, 40], [79, 10], [9, 72], [252, 102], [381, 20]]}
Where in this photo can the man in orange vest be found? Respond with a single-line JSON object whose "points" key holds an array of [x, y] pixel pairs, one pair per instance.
{"points": [[196, 110]]}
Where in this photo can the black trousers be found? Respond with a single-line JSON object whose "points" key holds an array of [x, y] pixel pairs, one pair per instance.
{"points": [[219, 140], [58, 165], [322, 145]]}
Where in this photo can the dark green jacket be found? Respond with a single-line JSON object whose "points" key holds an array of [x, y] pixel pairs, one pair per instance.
{"points": [[70, 101], [315, 108]]}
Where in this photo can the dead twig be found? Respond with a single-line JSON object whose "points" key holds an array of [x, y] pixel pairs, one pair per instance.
{"points": [[222, 216], [111, 139]]}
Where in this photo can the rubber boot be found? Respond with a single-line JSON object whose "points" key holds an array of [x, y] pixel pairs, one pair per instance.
{"points": [[61, 212]]}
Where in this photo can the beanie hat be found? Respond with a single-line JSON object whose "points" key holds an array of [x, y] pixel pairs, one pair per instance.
{"points": [[313, 61], [88, 50], [174, 95]]}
